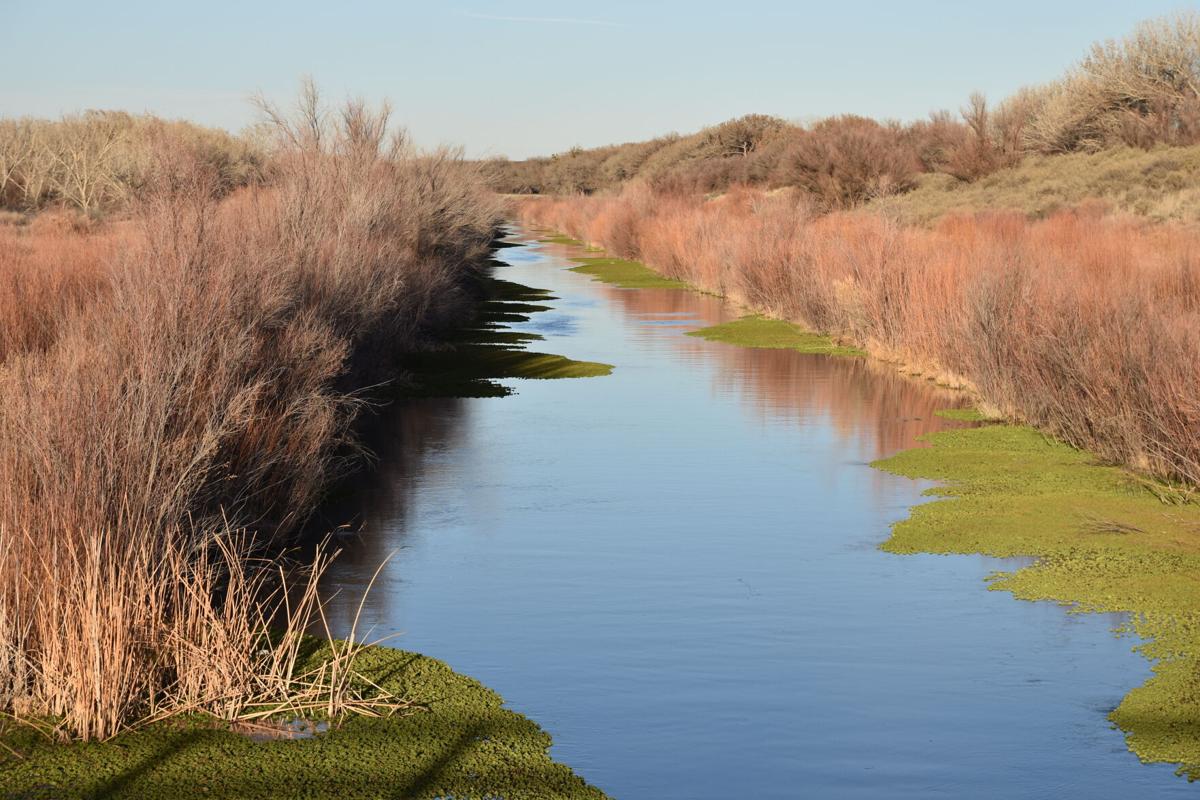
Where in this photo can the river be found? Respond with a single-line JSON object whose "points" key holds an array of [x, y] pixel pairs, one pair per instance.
{"points": [[674, 570]]}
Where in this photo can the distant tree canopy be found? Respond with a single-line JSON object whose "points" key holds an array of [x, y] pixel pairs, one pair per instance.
{"points": [[100, 159]]}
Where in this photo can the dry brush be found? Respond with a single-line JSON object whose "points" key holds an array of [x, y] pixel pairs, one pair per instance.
{"points": [[177, 387]]}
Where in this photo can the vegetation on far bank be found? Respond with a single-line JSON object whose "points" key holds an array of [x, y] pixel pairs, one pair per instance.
{"points": [[1084, 325], [1160, 184], [1139, 93]]}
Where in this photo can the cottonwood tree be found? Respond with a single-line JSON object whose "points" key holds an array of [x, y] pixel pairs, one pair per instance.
{"points": [[84, 153], [37, 170], [14, 152]]}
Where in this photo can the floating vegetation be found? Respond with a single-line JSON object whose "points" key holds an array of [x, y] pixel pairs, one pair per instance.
{"points": [[1104, 543], [763, 332], [558, 238], [969, 414], [487, 351], [625, 274]]}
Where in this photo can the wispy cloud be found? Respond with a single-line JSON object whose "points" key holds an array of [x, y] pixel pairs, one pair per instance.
{"points": [[548, 20]]}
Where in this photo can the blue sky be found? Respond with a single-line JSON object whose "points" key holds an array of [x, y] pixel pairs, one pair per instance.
{"points": [[520, 78]]}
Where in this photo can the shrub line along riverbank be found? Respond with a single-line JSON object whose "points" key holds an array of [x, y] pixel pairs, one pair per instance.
{"points": [[1085, 326], [1103, 540]]}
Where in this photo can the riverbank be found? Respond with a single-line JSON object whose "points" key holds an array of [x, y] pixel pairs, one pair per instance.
{"points": [[1105, 541], [420, 730], [455, 739], [1082, 325]]}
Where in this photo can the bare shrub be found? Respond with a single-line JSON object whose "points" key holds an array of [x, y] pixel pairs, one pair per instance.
{"points": [[1140, 91], [847, 161]]}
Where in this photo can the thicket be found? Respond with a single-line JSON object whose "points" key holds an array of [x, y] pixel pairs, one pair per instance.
{"points": [[103, 160], [178, 386]]}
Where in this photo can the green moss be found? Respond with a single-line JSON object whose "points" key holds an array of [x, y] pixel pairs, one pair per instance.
{"points": [[1103, 543], [558, 238], [466, 745], [626, 274], [758, 331], [971, 414], [472, 361]]}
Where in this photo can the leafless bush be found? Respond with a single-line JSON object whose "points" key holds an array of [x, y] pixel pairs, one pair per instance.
{"points": [[1141, 91], [100, 160], [846, 161]]}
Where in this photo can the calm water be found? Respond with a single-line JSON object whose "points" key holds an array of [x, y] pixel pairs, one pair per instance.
{"points": [[675, 571]]}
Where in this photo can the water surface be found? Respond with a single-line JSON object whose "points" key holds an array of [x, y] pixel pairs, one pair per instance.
{"points": [[674, 570]]}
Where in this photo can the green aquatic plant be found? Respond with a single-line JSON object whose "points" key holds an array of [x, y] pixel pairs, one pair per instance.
{"points": [[558, 238], [625, 274], [763, 332], [1103, 543], [968, 414], [462, 743]]}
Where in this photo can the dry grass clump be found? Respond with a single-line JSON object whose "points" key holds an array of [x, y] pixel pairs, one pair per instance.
{"points": [[191, 373], [52, 268], [1083, 324]]}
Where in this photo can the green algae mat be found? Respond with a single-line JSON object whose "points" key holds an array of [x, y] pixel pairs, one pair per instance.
{"points": [[624, 274], [1104, 542], [773, 334], [754, 330], [464, 744]]}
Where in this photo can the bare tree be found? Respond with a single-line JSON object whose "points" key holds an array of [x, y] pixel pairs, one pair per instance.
{"points": [[741, 136], [14, 152], [83, 153]]}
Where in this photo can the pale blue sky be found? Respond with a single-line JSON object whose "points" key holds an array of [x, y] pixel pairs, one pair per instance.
{"points": [[519, 78]]}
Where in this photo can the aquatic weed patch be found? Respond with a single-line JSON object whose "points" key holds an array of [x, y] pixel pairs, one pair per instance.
{"points": [[968, 414], [625, 274], [763, 332], [1104, 543], [464, 744], [558, 238]]}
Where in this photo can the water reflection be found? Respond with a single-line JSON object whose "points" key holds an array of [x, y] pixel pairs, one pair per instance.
{"points": [[876, 409]]}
